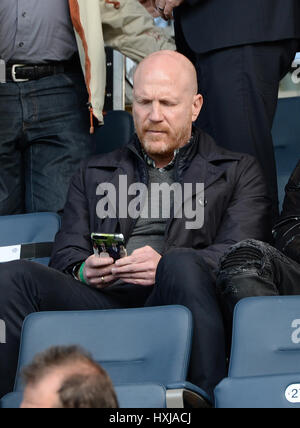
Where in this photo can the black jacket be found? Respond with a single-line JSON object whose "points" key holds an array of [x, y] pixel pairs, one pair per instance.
{"points": [[236, 204], [215, 24], [287, 230]]}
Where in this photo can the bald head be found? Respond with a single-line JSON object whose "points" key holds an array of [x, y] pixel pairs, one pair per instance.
{"points": [[165, 104], [175, 64]]}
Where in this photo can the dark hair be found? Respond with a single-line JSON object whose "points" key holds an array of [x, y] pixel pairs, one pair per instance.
{"points": [[87, 392], [80, 388]]}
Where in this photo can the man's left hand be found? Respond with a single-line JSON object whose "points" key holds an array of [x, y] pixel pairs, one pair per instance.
{"points": [[165, 7], [139, 268]]}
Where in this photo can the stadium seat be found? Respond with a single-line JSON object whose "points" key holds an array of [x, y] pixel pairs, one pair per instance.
{"points": [[34, 233], [141, 346], [116, 132], [264, 368], [141, 396]]}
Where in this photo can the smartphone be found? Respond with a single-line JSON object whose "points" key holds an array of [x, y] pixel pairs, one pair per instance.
{"points": [[109, 245]]}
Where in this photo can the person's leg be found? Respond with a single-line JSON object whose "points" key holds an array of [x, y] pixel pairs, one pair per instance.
{"points": [[253, 268], [240, 89], [27, 287], [58, 136], [11, 162], [184, 279]]}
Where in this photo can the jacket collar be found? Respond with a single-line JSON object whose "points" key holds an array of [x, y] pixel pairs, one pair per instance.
{"points": [[202, 145]]}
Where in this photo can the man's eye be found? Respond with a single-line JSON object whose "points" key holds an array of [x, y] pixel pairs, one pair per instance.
{"points": [[167, 103], [143, 102]]}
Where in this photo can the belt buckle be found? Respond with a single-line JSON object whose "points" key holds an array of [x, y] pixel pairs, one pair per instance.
{"points": [[13, 73]]}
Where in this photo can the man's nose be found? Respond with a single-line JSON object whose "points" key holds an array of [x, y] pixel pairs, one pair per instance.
{"points": [[156, 113]]}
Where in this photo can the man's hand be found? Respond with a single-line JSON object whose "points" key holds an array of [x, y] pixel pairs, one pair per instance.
{"points": [[165, 7], [150, 6], [139, 268], [97, 271]]}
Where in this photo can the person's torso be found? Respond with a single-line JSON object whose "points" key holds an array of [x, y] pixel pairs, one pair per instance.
{"points": [[198, 215], [216, 24], [36, 31]]}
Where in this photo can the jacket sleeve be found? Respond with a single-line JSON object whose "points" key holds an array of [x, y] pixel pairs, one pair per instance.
{"points": [[248, 214], [72, 244], [131, 30], [287, 231]]}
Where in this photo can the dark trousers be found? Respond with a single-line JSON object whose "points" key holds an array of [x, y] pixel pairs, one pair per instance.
{"points": [[253, 268], [44, 134], [182, 278], [240, 89]]}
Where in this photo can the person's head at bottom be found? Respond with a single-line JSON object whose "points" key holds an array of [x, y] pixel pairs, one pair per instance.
{"points": [[67, 377]]}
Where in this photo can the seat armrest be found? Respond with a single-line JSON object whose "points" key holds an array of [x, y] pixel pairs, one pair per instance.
{"points": [[186, 394]]}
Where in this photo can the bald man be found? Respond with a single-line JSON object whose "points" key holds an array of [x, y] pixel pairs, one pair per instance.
{"points": [[179, 200]]}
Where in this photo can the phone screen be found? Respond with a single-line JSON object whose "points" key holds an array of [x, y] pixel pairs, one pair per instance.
{"points": [[109, 245]]}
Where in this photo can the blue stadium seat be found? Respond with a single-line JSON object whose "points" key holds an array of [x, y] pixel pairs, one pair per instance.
{"points": [[143, 345], [264, 366], [116, 132], [141, 396], [35, 232]]}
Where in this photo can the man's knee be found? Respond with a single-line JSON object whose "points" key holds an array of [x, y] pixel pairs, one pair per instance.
{"points": [[181, 260], [246, 255], [245, 260], [183, 269], [16, 271]]}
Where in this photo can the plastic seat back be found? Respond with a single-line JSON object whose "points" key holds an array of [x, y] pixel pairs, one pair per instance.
{"points": [[116, 132], [134, 345], [24, 229], [266, 336]]}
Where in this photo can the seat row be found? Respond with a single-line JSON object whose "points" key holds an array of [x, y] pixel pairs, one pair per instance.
{"points": [[150, 370]]}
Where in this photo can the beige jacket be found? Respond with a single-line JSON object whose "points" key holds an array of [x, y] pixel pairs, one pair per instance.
{"points": [[124, 25]]}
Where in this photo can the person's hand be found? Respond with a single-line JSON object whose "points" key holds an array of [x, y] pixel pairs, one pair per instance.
{"points": [[97, 271], [150, 6], [165, 7], [139, 268]]}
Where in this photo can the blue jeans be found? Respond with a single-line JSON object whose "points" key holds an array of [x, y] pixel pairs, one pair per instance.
{"points": [[44, 133]]}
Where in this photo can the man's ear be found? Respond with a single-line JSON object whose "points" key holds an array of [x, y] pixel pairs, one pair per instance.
{"points": [[197, 106]]}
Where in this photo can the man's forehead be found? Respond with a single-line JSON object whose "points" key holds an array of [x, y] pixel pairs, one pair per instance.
{"points": [[161, 94], [163, 80]]}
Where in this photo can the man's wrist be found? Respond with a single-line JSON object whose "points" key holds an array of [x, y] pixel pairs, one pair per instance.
{"points": [[75, 270], [80, 274]]}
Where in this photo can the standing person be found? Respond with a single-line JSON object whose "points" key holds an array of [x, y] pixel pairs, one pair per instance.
{"points": [[45, 122], [241, 49], [170, 260]]}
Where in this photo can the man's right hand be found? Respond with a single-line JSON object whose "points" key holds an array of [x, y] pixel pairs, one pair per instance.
{"points": [[97, 271]]}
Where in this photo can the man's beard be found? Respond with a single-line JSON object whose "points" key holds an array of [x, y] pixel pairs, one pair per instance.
{"points": [[165, 147]]}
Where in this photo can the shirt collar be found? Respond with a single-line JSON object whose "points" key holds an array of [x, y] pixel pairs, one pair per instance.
{"points": [[150, 162]]}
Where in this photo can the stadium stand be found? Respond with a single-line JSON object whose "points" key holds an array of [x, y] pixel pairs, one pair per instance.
{"points": [[35, 233], [264, 370], [144, 345], [115, 133]]}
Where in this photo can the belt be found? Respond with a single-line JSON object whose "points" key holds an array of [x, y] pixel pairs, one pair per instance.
{"points": [[26, 72]]}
